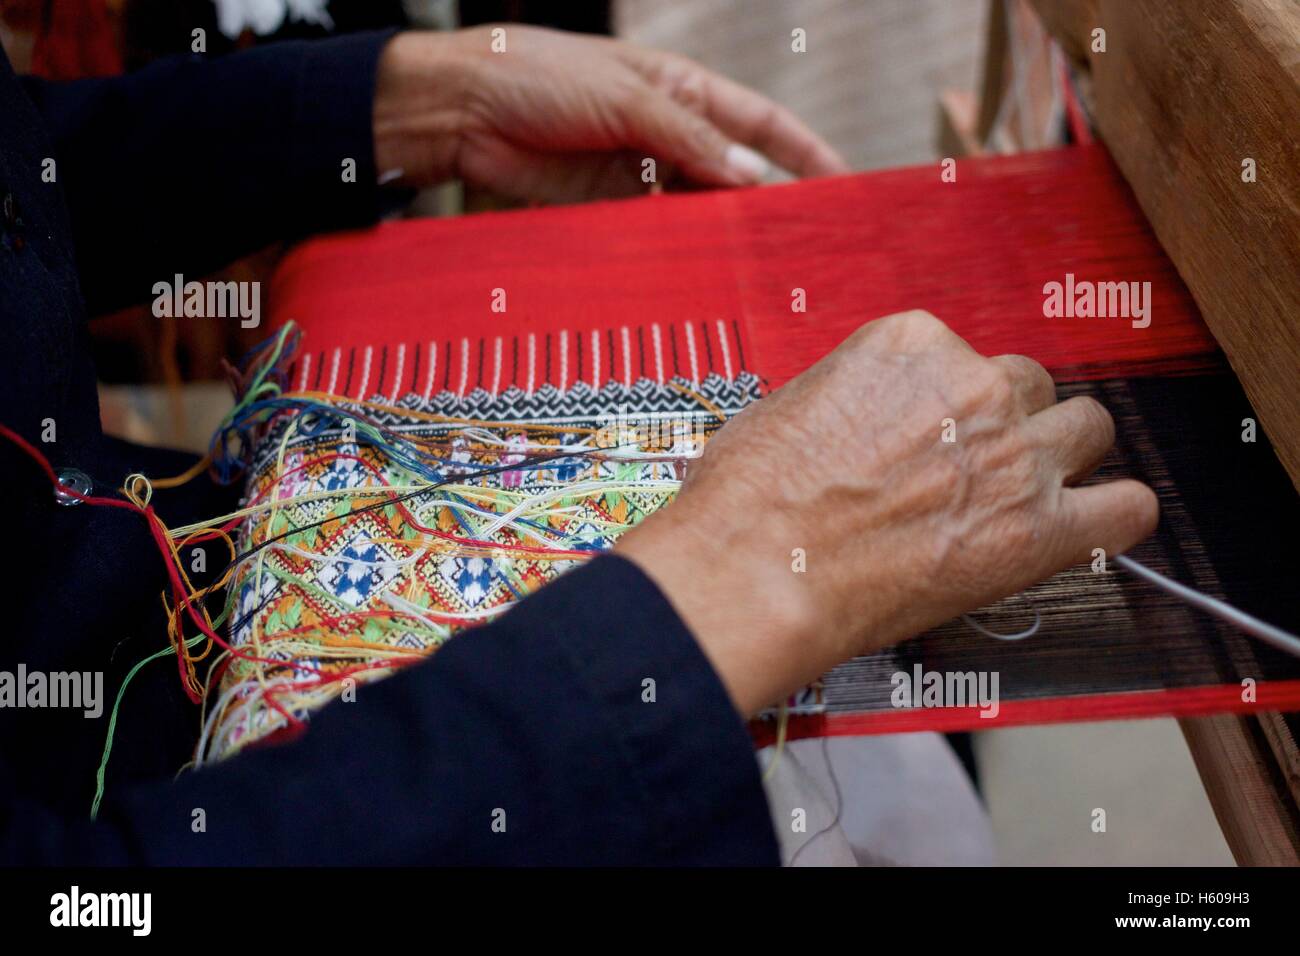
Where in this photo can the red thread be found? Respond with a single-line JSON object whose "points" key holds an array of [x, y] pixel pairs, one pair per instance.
{"points": [[975, 252]]}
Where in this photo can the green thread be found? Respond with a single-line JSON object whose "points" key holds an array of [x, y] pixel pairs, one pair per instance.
{"points": [[112, 721]]}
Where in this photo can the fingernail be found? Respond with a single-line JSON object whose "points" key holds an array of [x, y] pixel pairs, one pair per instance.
{"points": [[745, 165]]}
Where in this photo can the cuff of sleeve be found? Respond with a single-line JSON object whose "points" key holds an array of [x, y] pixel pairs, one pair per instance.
{"points": [[686, 748], [333, 123], [544, 716]]}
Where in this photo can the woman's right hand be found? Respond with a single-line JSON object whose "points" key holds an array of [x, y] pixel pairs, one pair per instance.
{"points": [[900, 529]]}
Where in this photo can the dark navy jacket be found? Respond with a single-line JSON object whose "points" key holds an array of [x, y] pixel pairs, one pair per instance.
{"points": [[182, 167]]}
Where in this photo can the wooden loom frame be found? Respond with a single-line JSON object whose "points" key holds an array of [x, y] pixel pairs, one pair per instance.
{"points": [[1183, 94]]}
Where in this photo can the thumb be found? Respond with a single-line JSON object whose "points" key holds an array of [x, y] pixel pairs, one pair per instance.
{"points": [[665, 128]]}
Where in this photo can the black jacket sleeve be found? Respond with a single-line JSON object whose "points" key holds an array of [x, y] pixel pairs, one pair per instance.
{"points": [[534, 740], [190, 163]]}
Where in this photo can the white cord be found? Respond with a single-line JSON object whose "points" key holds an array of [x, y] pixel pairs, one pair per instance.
{"points": [[1268, 633], [1018, 636]]}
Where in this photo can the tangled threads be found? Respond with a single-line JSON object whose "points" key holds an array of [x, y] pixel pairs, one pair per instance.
{"points": [[372, 532]]}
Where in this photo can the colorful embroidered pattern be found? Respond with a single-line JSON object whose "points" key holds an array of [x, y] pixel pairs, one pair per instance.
{"points": [[377, 530]]}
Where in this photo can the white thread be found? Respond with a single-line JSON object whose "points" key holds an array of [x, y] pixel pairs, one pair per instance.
{"points": [[564, 491], [306, 364], [726, 352], [496, 366], [595, 360], [627, 358], [433, 365], [690, 350], [334, 373], [365, 375], [464, 367], [659, 352], [1268, 633], [532, 361], [416, 611], [1017, 636], [216, 711], [485, 437], [397, 376], [564, 360]]}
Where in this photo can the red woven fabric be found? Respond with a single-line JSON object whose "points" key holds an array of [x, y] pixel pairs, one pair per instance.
{"points": [[687, 284], [976, 252]]}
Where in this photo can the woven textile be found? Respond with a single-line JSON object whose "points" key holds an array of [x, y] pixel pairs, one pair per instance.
{"points": [[766, 281], [353, 570]]}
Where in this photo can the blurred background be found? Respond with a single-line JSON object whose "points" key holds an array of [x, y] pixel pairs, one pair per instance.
{"points": [[888, 83]]}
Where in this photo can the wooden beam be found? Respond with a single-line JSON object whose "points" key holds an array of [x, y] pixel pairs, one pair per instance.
{"points": [[993, 78], [1185, 93], [1238, 768], [958, 119], [1071, 22]]}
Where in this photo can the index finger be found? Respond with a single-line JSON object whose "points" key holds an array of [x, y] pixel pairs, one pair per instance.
{"points": [[743, 114], [1113, 516]]}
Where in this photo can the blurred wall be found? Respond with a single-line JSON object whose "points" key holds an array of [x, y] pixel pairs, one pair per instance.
{"points": [[870, 79]]}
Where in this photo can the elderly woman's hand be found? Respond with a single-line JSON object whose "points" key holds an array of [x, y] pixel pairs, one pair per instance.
{"points": [[545, 116], [918, 478]]}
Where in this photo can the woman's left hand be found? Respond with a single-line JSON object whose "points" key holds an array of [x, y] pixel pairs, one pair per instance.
{"points": [[560, 117]]}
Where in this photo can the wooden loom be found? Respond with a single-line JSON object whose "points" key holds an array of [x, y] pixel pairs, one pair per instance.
{"points": [[685, 284], [1187, 95]]}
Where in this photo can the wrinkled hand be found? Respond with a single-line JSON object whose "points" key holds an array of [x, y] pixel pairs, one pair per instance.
{"points": [[901, 529], [563, 117]]}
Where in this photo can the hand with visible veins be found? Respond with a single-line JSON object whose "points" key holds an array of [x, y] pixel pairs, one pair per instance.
{"points": [[562, 117], [901, 530]]}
